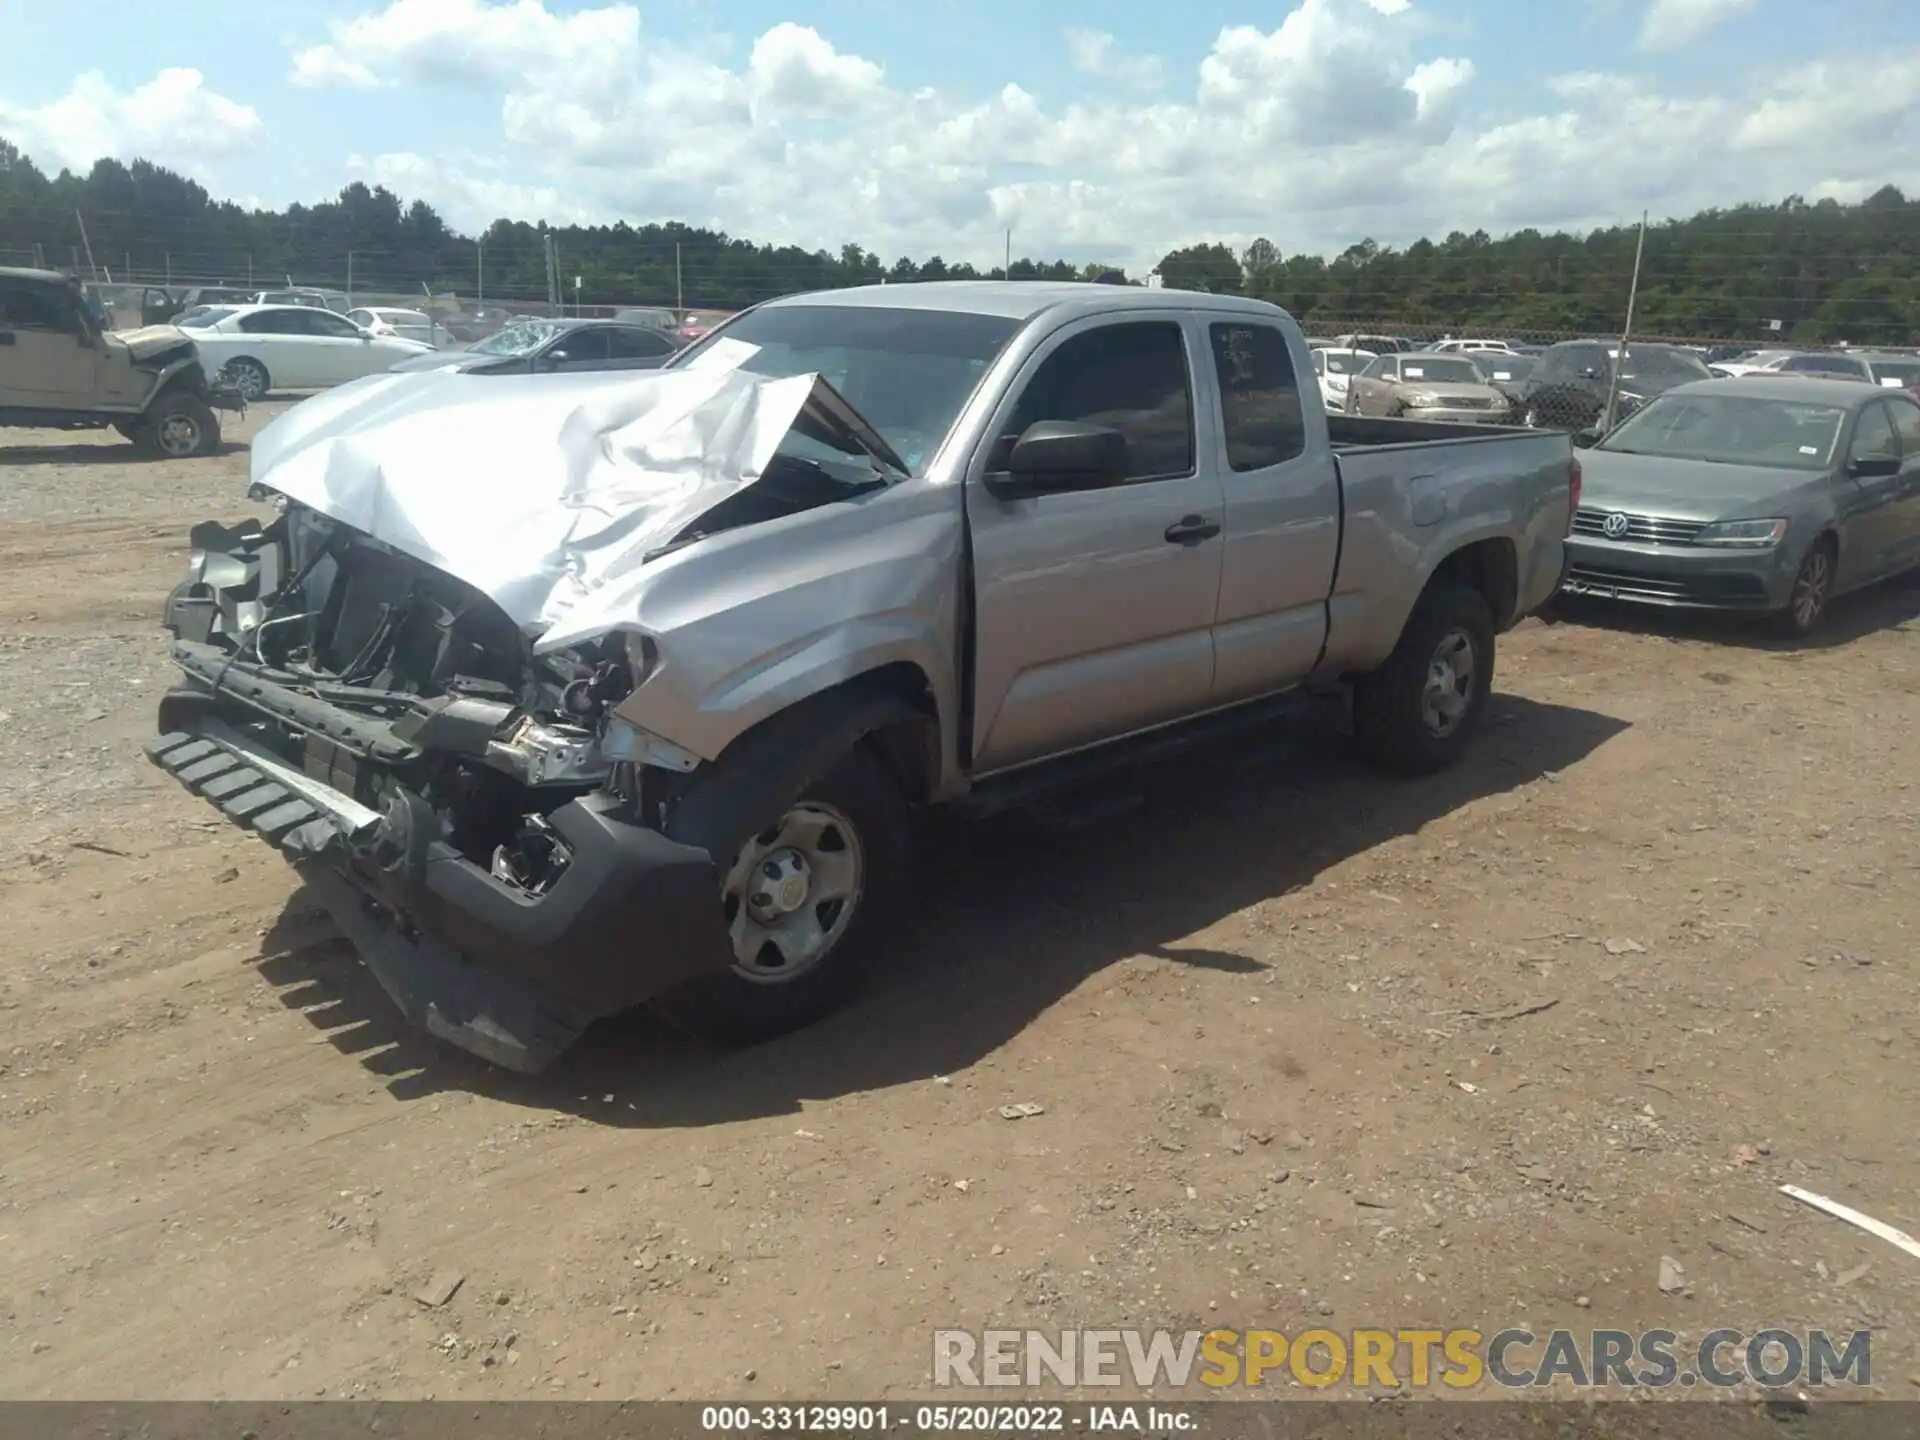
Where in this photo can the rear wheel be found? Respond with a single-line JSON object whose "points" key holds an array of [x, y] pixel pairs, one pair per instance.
{"points": [[806, 897], [1416, 713], [249, 377], [178, 427]]}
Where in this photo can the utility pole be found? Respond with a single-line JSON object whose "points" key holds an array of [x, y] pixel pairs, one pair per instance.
{"points": [[349, 279], [169, 260], [479, 272], [1633, 293], [249, 269], [86, 242], [1006, 272], [679, 290]]}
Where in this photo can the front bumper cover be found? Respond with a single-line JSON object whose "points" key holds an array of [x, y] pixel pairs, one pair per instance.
{"points": [[1680, 578], [511, 978]]}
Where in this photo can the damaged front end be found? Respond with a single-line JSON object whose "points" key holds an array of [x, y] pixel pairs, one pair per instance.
{"points": [[454, 798]]}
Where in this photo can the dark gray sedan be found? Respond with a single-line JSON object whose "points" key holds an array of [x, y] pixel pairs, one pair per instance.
{"points": [[1770, 494], [536, 345]]}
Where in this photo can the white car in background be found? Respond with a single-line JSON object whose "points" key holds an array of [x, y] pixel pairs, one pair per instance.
{"points": [[1336, 365], [407, 324], [1469, 347], [292, 347]]}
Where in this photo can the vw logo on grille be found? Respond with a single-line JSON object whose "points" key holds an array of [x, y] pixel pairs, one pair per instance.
{"points": [[1614, 526]]}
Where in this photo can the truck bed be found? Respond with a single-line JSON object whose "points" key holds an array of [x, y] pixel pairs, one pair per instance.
{"points": [[1374, 432]]}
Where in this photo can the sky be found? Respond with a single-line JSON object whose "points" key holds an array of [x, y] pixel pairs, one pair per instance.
{"points": [[1096, 132]]}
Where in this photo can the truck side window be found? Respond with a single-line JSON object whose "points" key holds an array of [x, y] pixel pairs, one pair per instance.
{"points": [[1131, 377], [1259, 396], [30, 307]]}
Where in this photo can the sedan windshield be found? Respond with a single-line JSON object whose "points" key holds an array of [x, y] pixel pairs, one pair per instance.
{"points": [[1439, 370], [908, 372], [1507, 368], [1896, 374], [205, 317], [1731, 430], [1346, 362], [522, 338], [1655, 362]]}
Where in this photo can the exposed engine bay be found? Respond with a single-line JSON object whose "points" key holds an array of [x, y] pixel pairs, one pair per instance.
{"points": [[454, 707]]}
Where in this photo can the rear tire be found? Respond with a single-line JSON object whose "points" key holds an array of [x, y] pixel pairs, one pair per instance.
{"points": [[848, 832], [249, 377], [1416, 713], [178, 427]]}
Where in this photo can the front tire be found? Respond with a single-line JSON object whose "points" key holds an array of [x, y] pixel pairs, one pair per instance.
{"points": [[1416, 713], [807, 897], [1812, 590], [178, 427]]}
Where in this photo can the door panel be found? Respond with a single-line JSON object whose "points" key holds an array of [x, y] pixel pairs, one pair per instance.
{"points": [[1282, 518], [45, 362], [1906, 425], [341, 350], [1091, 622], [1871, 506]]}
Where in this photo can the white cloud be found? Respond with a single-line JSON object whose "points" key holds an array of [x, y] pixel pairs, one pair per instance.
{"points": [[1096, 53], [469, 40], [1670, 24], [173, 119], [1347, 118]]}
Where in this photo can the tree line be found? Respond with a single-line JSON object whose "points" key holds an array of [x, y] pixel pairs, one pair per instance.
{"points": [[1821, 271]]}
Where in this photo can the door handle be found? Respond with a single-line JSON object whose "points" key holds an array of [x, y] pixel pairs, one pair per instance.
{"points": [[1191, 530]]}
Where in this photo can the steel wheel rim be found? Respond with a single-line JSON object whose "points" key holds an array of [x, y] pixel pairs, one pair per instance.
{"points": [[1448, 692], [792, 893], [1810, 589], [178, 435], [248, 380]]}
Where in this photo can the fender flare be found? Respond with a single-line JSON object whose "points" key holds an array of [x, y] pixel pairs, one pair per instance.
{"points": [[771, 765]]}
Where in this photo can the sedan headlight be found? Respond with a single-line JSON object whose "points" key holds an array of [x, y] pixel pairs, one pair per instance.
{"points": [[1743, 534], [1419, 400]]}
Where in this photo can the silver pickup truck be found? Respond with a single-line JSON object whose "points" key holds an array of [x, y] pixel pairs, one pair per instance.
{"points": [[573, 693]]}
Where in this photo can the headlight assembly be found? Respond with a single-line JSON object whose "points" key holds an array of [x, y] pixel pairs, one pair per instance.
{"points": [[1743, 534]]}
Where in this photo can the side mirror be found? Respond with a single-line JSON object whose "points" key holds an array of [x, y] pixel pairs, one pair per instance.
{"points": [[1873, 467], [1056, 456], [1586, 439]]}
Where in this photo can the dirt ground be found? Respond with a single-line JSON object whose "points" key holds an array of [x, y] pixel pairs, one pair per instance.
{"points": [[1275, 1020]]}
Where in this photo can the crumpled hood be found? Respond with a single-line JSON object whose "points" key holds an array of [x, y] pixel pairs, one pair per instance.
{"points": [[544, 492], [152, 339]]}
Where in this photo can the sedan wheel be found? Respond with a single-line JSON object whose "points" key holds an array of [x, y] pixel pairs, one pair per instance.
{"points": [[1812, 589], [249, 378]]}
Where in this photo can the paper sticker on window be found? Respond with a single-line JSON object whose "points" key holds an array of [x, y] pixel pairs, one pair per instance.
{"points": [[1414, 372], [1809, 449], [1889, 382]]}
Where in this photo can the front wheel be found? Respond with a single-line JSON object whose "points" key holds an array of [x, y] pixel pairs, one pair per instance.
{"points": [[1812, 589], [1416, 713], [806, 898], [179, 427]]}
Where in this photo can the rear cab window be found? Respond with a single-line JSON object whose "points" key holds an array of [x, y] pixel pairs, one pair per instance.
{"points": [[1259, 395]]}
